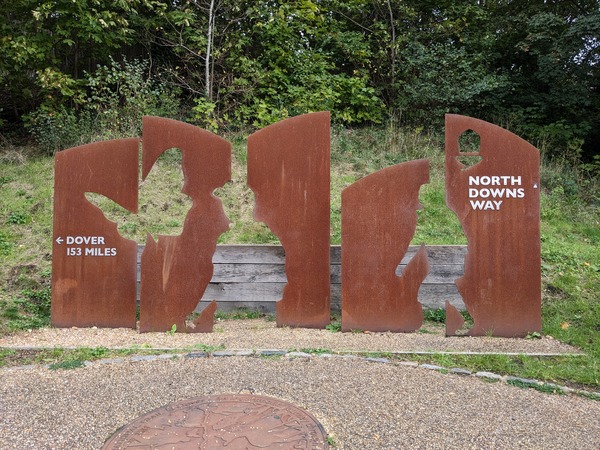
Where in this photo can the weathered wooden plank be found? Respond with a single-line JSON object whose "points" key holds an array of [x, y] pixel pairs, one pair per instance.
{"points": [[274, 254], [275, 273], [264, 296], [251, 292], [245, 273], [251, 272], [271, 292]]}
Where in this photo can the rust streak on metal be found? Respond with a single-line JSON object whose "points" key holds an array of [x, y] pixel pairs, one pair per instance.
{"points": [[93, 267], [498, 204], [288, 170], [379, 217], [177, 269]]}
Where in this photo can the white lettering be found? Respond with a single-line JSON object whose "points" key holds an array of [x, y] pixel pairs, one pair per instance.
{"points": [[85, 240], [73, 251], [494, 180], [485, 205], [493, 193], [99, 251], [477, 204]]}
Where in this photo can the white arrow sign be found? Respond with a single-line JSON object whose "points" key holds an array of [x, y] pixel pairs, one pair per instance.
{"points": [[59, 240]]}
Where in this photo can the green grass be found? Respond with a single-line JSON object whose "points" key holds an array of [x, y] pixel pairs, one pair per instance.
{"points": [[244, 314], [570, 233], [61, 358], [575, 371]]}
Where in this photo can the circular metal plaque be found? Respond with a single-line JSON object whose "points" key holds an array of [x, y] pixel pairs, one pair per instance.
{"points": [[233, 421]]}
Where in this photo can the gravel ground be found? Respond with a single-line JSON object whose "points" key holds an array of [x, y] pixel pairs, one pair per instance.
{"points": [[362, 405], [262, 334]]}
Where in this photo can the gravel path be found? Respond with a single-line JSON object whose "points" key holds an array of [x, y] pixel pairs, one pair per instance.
{"points": [[361, 404], [262, 334]]}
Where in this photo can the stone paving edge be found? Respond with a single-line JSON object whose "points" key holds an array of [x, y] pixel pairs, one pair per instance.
{"points": [[276, 353]]}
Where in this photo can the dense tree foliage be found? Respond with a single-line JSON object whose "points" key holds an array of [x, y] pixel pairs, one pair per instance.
{"points": [[530, 65]]}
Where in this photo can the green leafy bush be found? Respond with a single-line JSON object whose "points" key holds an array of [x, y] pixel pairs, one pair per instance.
{"points": [[5, 244], [118, 96]]}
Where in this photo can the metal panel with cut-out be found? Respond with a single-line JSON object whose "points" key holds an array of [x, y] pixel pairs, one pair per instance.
{"points": [[93, 267], [379, 218], [288, 170], [497, 201], [177, 269]]}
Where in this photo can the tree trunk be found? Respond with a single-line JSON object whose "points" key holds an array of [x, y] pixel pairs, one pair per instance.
{"points": [[209, 41]]}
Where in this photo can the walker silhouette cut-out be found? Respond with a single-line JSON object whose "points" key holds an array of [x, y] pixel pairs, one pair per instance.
{"points": [[498, 204], [379, 218], [177, 269], [93, 267], [288, 170]]}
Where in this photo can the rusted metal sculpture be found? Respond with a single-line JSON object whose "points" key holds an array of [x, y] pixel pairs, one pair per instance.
{"points": [[454, 319], [93, 267], [379, 217], [177, 269], [288, 170], [497, 202], [232, 421]]}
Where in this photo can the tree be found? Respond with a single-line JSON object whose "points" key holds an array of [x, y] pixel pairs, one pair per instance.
{"points": [[47, 45], [549, 53]]}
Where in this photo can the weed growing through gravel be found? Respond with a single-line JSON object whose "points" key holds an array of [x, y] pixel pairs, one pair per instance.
{"points": [[541, 387], [5, 353], [66, 365], [334, 327], [316, 351], [207, 348]]}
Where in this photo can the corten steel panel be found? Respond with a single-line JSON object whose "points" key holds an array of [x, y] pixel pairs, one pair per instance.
{"points": [[379, 218], [454, 319], [177, 269], [498, 204], [93, 267], [288, 170]]}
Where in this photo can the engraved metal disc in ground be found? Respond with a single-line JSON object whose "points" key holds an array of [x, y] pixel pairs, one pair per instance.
{"points": [[233, 421]]}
